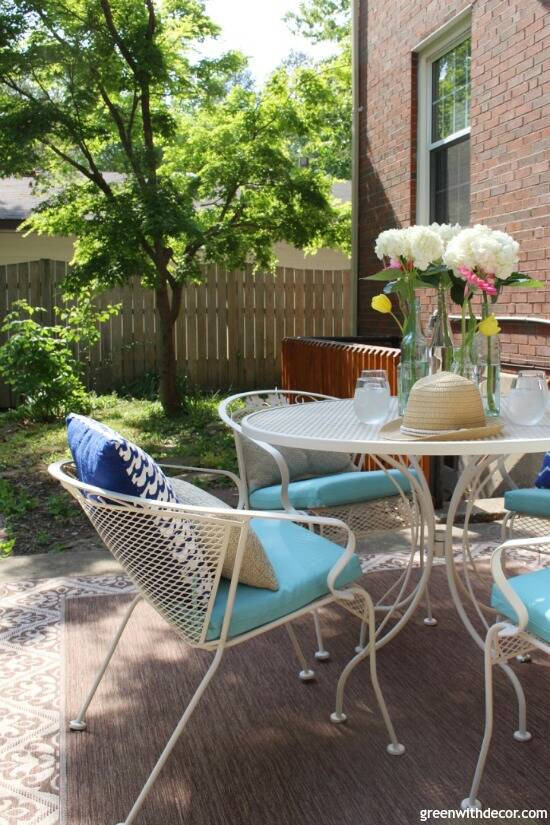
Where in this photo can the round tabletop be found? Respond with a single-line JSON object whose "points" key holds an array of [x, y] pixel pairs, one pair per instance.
{"points": [[333, 426]]}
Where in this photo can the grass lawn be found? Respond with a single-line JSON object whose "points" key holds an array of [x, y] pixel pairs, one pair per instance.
{"points": [[38, 516]]}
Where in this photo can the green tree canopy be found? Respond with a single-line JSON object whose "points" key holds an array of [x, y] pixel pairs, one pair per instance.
{"points": [[206, 167], [328, 21]]}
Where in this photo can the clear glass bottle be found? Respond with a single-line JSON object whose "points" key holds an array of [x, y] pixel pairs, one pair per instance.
{"points": [[414, 354], [442, 344], [487, 349]]}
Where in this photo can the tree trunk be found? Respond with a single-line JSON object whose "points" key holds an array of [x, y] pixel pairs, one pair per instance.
{"points": [[171, 399]]}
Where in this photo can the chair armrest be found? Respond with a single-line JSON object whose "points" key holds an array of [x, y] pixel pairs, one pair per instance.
{"points": [[319, 521], [284, 473], [227, 473], [499, 576]]}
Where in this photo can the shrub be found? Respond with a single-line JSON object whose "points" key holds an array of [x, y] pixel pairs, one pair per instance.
{"points": [[37, 360]]}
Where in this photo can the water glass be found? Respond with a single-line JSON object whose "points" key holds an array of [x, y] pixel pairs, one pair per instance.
{"points": [[527, 399], [536, 374], [371, 401]]}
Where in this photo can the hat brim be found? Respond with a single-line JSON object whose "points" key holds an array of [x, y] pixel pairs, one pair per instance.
{"points": [[392, 431]]}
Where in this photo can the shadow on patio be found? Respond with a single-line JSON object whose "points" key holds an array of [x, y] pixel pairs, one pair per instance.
{"points": [[260, 746]]}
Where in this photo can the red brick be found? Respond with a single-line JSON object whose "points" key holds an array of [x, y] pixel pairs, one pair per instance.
{"points": [[510, 138]]}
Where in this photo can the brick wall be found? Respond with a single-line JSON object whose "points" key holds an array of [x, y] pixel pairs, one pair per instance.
{"points": [[510, 135]]}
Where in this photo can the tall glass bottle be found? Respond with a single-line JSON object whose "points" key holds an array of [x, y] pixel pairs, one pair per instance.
{"points": [[487, 349], [414, 354], [442, 344]]}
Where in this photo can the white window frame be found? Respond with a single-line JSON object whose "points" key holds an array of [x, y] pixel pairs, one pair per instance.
{"points": [[429, 50]]}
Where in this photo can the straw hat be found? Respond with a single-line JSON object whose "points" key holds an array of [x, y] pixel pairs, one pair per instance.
{"points": [[442, 407]]}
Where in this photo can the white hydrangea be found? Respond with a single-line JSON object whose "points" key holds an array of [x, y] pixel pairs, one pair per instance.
{"points": [[488, 250], [421, 244], [392, 243], [446, 231], [426, 246]]}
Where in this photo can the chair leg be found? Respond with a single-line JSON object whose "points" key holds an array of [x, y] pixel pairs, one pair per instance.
{"points": [[321, 654], [429, 619], [472, 801], [173, 739], [306, 674], [362, 638], [79, 724], [521, 734], [395, 748]]}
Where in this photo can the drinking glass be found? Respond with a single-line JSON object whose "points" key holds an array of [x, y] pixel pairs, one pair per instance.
{"points": [[372, 396], [536, 374], [527, 400]]}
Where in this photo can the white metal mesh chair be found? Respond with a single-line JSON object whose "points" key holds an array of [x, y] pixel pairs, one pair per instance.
{"points": [[174, 554], [389, 511], [523, 605], [381, 514], [522, 519]]}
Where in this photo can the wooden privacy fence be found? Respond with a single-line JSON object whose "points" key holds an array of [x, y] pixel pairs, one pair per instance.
{"points": [[229, 332]]}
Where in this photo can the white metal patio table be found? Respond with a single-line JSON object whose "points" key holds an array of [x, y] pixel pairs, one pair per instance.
{"points": [[333, 426]]}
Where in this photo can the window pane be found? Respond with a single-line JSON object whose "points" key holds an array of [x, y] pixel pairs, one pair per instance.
{"points": [[450, 183], [451, 92]]}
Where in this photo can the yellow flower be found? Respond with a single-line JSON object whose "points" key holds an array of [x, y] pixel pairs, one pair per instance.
{"points": [[381, 303], [489, 326]]}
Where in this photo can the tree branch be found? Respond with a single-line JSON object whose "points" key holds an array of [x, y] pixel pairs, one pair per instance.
{"points": [[124, 133], [125, 52], [152, 24]]}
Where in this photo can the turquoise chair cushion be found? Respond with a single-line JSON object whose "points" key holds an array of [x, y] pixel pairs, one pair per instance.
{"points": [[301, 560], [330, 491], [534, 591], [531, 502]]}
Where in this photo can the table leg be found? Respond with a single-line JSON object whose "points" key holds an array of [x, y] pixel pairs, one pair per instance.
{"points": [[469, 480], [423, 538]]}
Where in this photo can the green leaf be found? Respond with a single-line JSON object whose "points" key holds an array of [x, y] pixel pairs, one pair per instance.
{"points": [[385, 275], [457, 293], [436, 269], [519, 279]]}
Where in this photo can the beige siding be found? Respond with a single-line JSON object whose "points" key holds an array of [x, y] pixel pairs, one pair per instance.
{"points": [[16, 248]]}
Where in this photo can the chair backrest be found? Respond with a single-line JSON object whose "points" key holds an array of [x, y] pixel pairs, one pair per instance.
{"points": [[173, 553], [233, 409]]}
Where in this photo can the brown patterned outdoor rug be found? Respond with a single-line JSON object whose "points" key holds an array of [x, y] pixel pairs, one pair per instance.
{"points": [[260, 749]]}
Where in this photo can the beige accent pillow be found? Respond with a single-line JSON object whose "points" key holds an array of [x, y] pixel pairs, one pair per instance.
{"points": [[328, 464], [262, 470], [256, 569]]}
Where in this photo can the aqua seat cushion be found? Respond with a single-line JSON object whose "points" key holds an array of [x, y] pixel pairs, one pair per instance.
{"points": [[331, 491], [301, 560], [534, 591], [531, 501]]}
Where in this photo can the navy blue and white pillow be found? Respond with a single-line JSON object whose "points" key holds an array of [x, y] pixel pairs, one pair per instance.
{"points": [[105, 459], [543, 478]]}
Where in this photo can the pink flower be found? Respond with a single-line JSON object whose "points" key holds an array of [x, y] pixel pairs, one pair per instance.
{"points": [[395, 264], [475, 280]]}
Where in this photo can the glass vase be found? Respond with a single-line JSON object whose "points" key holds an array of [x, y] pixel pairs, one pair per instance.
{"points": [[414, 353], [488, 370], [465, 361], [442, 344]]}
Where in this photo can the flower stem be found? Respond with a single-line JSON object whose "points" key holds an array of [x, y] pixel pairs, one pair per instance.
{"points": [[491, 407], [398, 322], [463, 336]]}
